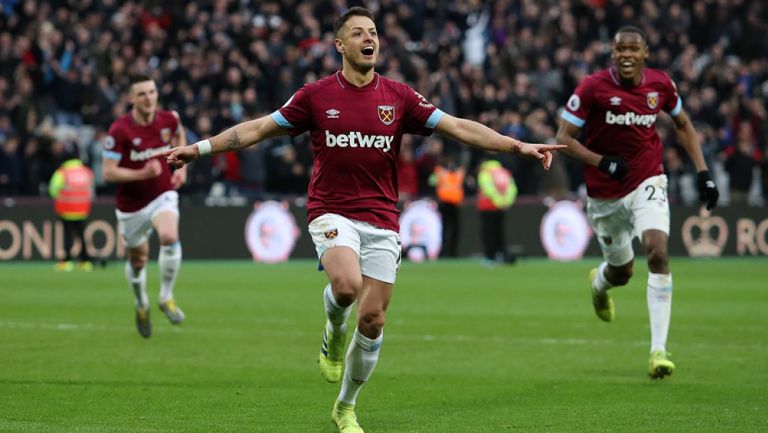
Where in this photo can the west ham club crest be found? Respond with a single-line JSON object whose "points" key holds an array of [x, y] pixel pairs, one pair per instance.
{"points": [[165, 135], [386, 114], [652, 98]]}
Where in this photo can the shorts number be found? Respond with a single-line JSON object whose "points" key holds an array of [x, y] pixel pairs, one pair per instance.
{"points": [[656, 193]]}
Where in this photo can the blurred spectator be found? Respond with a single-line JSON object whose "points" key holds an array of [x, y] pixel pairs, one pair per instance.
{"points": [[555, 183], [407, 177], [426, 160], [10, 166], [496, 193], [32, 166], [253, 171], [741, 165], [505, 63], [764, 176], [448, 180], [226, 169], [68, 92], [287, 175], [682, 187]]}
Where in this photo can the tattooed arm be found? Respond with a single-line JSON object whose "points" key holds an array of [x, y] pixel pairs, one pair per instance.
{"points": [[237, 137]]}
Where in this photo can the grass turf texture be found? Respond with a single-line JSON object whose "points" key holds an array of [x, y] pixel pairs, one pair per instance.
{"points": [[467, 349]]}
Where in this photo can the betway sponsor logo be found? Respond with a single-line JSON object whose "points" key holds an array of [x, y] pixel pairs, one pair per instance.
{"points": [[148, 153], [629, 119], [356, 139]]}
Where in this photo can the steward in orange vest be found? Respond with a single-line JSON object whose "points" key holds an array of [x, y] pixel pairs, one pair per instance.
{"points": [[448, 180], [449, 184], [71, 188]]}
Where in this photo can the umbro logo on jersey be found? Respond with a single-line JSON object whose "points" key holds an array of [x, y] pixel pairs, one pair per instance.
{"points": [[333, 113], [615, 100], [136, 141]]}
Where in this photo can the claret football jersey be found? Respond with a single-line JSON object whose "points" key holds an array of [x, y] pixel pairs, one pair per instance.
{"points": [[621, 121], [356, 134], [133, 145]]}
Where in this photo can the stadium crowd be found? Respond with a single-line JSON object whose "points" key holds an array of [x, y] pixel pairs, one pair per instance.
{"points": [[510, 64]]}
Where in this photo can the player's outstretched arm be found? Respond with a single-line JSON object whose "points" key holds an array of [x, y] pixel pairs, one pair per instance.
{"points": [[613, 166], [112, 172], [690, 141], [708, 193], [237, 137], [478, 135]]}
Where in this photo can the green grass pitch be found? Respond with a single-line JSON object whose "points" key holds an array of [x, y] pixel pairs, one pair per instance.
{"points": [[467, 349]]}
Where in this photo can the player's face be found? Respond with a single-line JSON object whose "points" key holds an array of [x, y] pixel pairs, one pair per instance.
{"points": [[144, 97], [358, 42], [629, 52]]}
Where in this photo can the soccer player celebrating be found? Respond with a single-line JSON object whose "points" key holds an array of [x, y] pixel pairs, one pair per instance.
{"points": [[626, 185], [356, 120], [147, 198]]}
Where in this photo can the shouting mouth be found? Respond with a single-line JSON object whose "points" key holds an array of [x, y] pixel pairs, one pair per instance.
{"points": [[627, 67]]}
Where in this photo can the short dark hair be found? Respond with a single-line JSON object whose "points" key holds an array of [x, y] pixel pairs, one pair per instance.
{"points": [[631, 29], [352, 12], [138, 78]]}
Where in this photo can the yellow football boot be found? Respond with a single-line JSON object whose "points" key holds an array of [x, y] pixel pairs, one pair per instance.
{"points": [[331, 359], [601, 300], [659, 365], [344, 417]]}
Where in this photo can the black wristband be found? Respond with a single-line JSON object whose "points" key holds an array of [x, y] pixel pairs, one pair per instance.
{"points": [[613, 166]]}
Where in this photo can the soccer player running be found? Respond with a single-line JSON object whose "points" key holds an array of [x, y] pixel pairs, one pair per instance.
{"points": [[356, 120], [626, 185], [146, 197]]}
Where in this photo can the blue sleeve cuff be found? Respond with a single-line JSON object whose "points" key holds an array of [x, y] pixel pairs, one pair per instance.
{"points": [[109, 154], [434, 118], [570, 118], [678, 107], [281, 121]]}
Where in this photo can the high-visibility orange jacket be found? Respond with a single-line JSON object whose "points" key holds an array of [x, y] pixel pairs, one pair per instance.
{"points": [[449, 185], [71, 188]]}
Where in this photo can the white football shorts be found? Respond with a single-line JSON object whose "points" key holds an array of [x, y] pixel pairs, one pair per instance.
{"points": [[136, 227], [616, 222], [379, 249]]}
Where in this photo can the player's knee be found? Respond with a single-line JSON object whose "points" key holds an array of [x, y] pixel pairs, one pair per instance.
{"points": [[371, 323], [138, 262], [619, 276], [167, 238], [345, 289], [658, 259]]}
